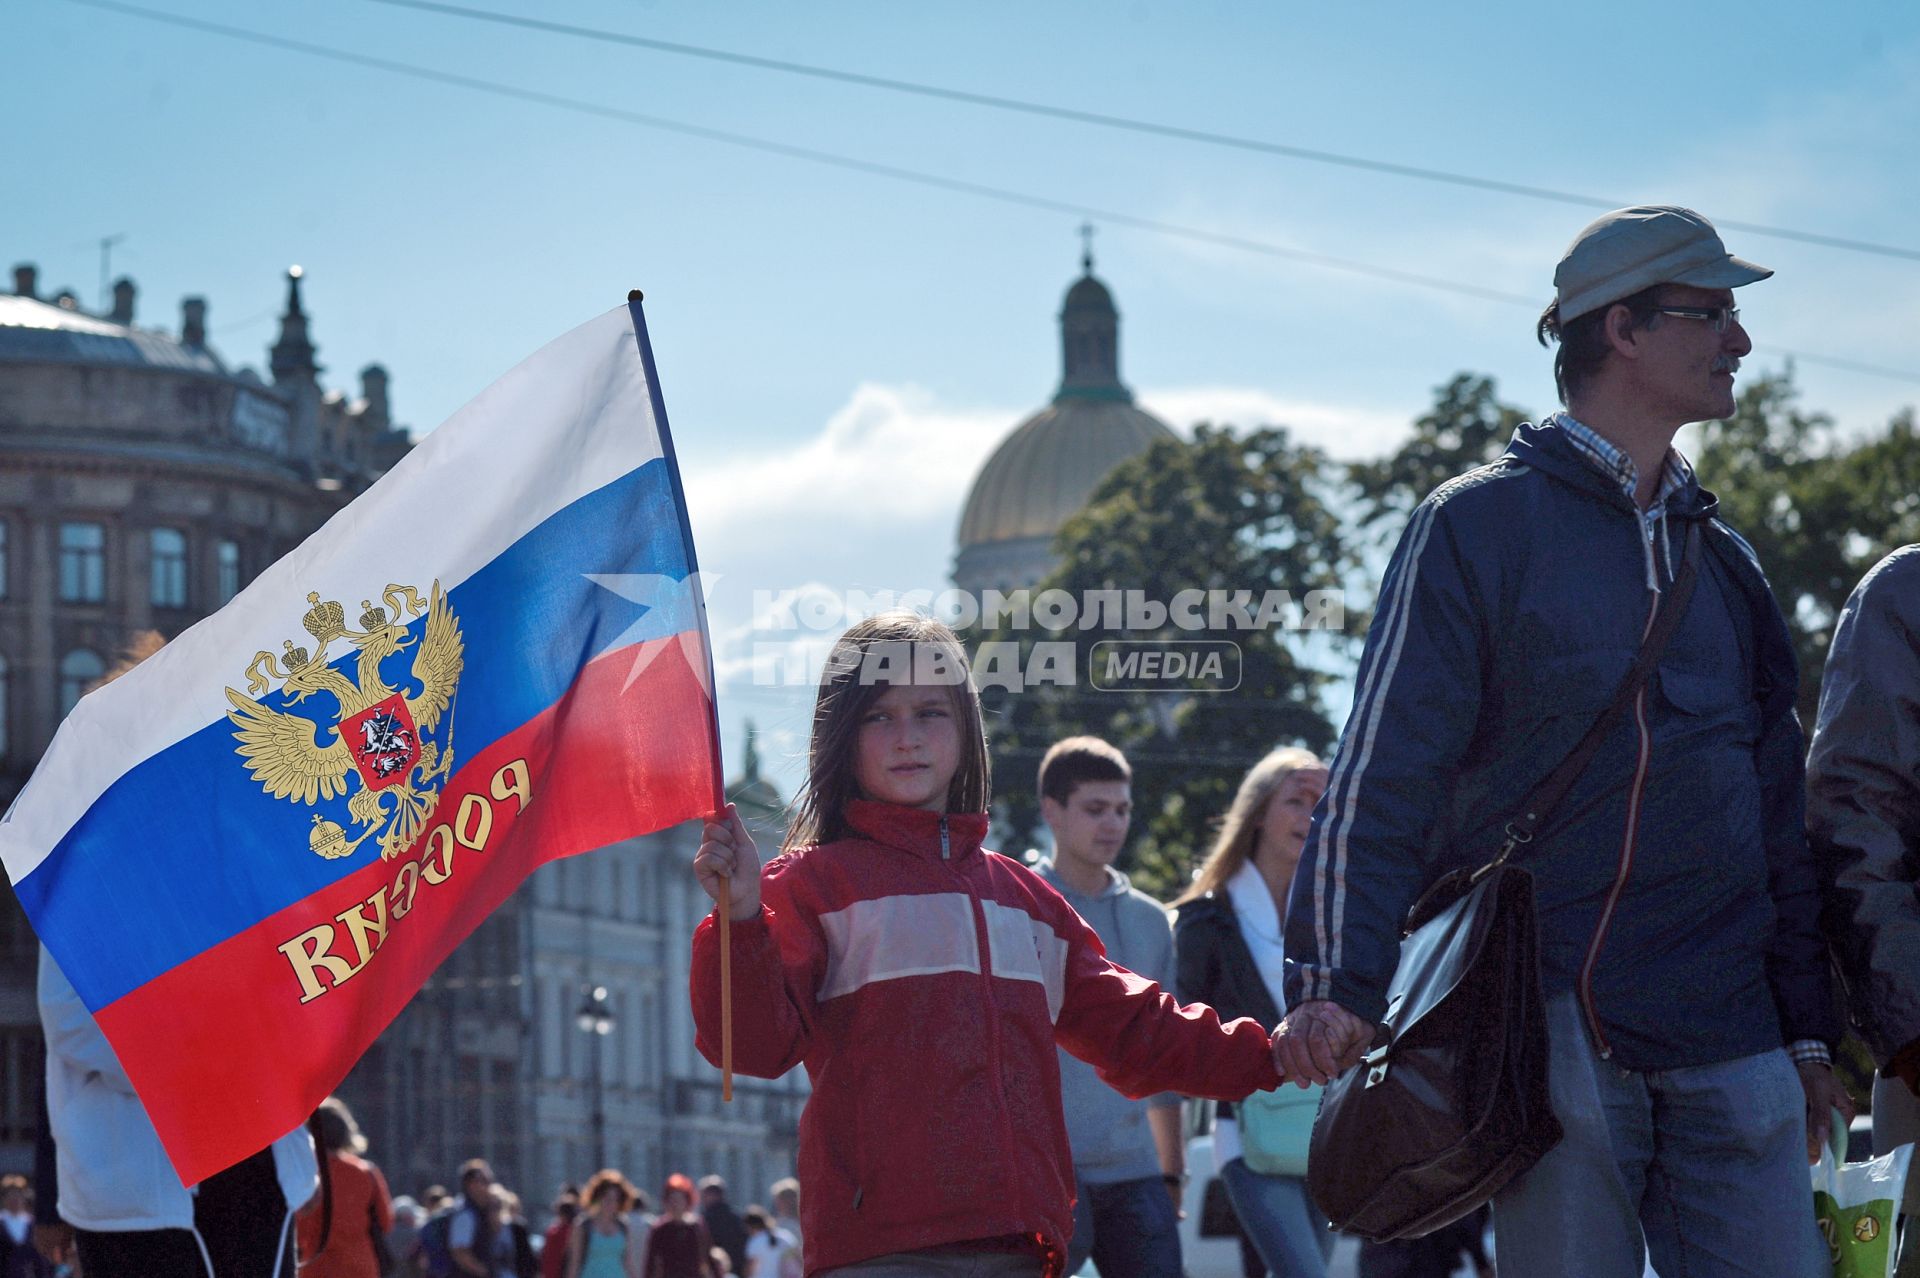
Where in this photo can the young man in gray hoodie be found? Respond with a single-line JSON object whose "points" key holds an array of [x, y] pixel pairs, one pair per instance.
{"points": [[1129, 1159]]}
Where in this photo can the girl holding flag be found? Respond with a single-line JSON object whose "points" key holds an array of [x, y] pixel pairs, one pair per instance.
{"points": [[924, 982]]}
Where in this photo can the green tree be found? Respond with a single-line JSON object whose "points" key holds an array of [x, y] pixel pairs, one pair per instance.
{"points": [[1467, 426], [1228, 512]]}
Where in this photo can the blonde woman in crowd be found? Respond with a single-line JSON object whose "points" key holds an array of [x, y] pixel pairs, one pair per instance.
{"points": [[1228, 955]]}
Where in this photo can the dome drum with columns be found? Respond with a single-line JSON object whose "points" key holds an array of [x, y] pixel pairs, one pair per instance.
{"points": [[1042, 474]]}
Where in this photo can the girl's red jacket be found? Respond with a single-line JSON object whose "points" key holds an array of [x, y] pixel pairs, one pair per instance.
{"points": [[924, 982]]}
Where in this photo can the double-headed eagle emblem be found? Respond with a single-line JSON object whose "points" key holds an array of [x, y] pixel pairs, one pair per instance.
{"points": [[380, 733]]}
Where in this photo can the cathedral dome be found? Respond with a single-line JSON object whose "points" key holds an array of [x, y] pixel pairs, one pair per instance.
{"points": [[1042, 474]]}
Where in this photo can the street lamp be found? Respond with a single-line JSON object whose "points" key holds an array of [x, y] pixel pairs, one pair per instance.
{"points": [[595, 1017]]}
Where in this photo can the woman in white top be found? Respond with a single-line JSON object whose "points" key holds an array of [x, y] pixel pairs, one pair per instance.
{"points": [[1228, 955]]}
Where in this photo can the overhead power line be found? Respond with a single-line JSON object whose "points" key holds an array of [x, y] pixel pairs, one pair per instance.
{"points": [[1125, 123], [895, 172], [853, 163]]}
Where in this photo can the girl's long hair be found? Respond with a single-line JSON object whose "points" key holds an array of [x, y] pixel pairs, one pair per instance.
{"points": [[1240, 829], [865, 661]]}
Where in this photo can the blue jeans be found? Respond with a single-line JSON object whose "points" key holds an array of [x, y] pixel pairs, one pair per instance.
{"points": [[1285, 1227], [1129, 1229], [1708, 1162]]}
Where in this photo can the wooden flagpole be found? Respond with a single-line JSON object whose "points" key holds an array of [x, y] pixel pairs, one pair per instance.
{"points": [[726, 989]]}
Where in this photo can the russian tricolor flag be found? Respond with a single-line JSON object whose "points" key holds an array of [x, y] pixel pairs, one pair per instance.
{"points": [[249, 853]]}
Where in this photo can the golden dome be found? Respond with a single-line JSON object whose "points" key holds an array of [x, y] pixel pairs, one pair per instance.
{"points": [[1043, 473]]}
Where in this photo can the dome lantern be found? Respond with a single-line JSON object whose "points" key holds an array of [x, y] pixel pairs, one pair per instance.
{"points": [[1090, 337], [1042, 473]]}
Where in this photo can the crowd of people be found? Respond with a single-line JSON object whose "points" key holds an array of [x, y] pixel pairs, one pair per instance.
{"points": [[345, 1222], [608, 1228]]}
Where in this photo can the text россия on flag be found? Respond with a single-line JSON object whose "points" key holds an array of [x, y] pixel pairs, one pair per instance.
{"points": [[250, 852]]}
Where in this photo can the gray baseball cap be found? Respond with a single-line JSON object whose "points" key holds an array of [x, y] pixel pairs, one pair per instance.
{"points": [[1624, 251]]}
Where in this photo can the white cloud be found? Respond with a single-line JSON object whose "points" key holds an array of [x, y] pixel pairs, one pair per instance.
{"points": [[868, 503], [890, 453], [1343, 432]]}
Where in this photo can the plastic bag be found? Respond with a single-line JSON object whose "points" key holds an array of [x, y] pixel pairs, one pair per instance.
{"points": [[1276, 1129], [1857, 1205]]}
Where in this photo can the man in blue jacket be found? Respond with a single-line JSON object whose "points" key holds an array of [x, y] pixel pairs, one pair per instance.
{"points": [[1689, 1005]]}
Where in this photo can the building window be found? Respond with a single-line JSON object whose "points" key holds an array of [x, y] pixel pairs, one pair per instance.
{"points": [[83, 563], [227, 569], [78, 671], [169, 567], [5, 584], [6, 706]]}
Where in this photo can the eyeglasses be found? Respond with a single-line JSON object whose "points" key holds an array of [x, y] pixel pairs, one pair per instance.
{"points": [[1721, 317]]}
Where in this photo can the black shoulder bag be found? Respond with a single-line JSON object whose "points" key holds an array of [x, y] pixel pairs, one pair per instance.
{"points": [[1452, 1102]]}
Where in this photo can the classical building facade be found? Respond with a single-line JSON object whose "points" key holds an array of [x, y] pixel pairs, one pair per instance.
{"points": [[1047, 468], [143, 482]]}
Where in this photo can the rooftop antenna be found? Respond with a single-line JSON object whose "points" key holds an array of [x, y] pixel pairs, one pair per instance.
{"points": [[106, 267]]}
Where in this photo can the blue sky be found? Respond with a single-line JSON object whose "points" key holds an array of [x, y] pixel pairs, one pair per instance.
{"points": [[838, 351]]}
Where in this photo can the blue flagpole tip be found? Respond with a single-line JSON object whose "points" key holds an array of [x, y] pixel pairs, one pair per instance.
{"points": [[635, 295]]}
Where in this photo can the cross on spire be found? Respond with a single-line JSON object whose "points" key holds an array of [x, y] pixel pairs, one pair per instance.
{"points": [[1086, 250]]}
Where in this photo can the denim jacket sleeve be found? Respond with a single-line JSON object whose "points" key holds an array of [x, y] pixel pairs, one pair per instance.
{"points": [[1863, 807], [1416, 704]]}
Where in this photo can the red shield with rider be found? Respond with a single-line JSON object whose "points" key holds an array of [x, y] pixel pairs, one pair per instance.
{"points": [[384, 742]]}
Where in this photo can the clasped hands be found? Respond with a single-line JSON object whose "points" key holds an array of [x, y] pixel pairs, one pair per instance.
{"points": [[1317, 1041]]}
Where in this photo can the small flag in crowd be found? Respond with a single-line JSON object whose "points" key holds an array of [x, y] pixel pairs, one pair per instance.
{"points": [[250, 852]]}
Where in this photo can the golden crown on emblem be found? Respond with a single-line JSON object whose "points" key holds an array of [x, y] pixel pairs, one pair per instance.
{"points": [[373, 618], [324, 621]]}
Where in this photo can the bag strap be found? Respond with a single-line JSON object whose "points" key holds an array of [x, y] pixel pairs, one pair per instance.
{"points": [[1546, 796]]}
